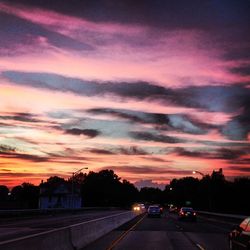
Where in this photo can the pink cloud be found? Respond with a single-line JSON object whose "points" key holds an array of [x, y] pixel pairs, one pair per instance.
{"points": [[173, 58]]}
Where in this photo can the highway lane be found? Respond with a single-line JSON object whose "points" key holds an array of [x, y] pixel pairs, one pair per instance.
{"points": [[17, 227], [166, 233]]}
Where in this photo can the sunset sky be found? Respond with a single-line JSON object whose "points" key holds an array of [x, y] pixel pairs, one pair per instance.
{"points": [[151, 89]]}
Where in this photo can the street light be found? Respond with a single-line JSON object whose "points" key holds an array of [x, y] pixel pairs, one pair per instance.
{"points": [[198, 172], [72, 187], [209, 189], [73, 174]]}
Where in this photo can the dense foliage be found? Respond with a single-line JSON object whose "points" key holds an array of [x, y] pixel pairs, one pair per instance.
{"points": [[211, 192]]}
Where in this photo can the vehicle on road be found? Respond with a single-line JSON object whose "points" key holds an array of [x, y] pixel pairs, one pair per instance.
{"points": [[187, 213], [172, 209], [136, 208], [239, 237], [154, 211], [139, 207]]}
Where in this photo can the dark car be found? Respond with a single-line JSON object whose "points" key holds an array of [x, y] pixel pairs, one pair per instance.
{"points": [[187, 213], [154, 211], [239, 238]]}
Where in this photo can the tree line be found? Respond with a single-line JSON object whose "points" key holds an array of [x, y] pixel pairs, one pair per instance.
{"points": [[105, 188]]}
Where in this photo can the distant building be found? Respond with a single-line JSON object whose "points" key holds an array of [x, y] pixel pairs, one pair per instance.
{"points": [[59, 195]]}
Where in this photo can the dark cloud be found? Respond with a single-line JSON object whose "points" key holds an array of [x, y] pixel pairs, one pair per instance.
{"points": [[238, 53], [146, 136], [239, 127], [156, 159], [212, 98], [101, 151], [6, 149], [241, 169], [221, 144], [220, 153], [229, 99], [88, 132], [50, 157], [3, 124], [137, 90], [179, 122], [172, 14], [134, 150], [124, 114], [5, 170], [27, 157], [189, 153], [23, 117], [245, 71], [229, 154]]}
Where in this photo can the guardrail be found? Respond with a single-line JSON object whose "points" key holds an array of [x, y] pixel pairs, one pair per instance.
{"points": [[72, 237]]}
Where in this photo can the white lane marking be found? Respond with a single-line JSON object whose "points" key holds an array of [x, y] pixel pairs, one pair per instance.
{"points": [[200, 247], [114, 243]]}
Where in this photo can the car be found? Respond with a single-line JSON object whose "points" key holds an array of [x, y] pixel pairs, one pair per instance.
{"points": [[154, 211], [137, 208], [239, 237], [187, 213], [173, 209], [142, 207]]}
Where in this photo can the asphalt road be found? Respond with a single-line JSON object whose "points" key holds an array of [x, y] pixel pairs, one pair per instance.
{"points": [[166, 233], [19, 227]]}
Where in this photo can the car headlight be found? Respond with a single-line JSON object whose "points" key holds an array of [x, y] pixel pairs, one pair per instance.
{"points": [[136, 208]]}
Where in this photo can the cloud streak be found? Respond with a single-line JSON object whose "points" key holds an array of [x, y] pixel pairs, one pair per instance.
{"points": [[88, 132]]}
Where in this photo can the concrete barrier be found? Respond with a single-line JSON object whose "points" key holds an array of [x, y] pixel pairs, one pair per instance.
{"points": [[84, 233], [72, 237]]}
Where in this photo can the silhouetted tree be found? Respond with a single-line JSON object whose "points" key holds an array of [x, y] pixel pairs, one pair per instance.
{"points": [[16, 193], [101, 189], [129, 194], [4, 191], [151, 195], [105, 188], [26, 195], [184, 190], [78, 178], [55, 180], [239, 195]]}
